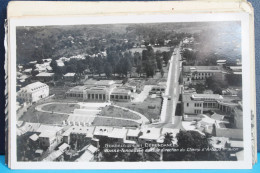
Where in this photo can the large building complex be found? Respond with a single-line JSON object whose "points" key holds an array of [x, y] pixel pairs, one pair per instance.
{"points": [[198, 74], [199, 103], [33, 92]]}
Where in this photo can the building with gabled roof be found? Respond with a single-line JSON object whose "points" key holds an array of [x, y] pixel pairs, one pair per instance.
{"points": [[33, 92]]}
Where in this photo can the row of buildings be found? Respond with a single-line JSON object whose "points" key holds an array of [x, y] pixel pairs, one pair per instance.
{"points": [[49, 137], [221, 113]]}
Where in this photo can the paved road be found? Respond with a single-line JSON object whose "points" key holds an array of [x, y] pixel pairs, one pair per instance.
{"points": [[171, 120]]}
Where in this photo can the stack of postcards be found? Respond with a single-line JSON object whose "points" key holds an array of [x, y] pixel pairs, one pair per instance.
{"points": [[127, 85]]}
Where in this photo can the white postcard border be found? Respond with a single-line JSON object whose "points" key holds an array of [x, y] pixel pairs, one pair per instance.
{"points": [[81, 20]]}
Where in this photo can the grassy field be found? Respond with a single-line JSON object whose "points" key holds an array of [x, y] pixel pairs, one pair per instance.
{"points": [[62, 108], [99, 121], [151, 108], [40, 117], [111, 111]]}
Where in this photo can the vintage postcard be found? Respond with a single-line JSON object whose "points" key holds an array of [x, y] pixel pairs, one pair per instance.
{"points": [[158, 91]]}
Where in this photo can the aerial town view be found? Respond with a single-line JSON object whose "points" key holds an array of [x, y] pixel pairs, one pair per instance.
{"points": [[130, 92]]}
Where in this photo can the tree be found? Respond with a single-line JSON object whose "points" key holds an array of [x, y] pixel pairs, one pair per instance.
{"points": [[216, 84], [166, 57], [54, 65], [168, 138], [194, 140], [108, 69], [234, 79]]}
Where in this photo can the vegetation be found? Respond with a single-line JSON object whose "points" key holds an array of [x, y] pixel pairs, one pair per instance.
{"points": [[194, 140], [111, 111]]}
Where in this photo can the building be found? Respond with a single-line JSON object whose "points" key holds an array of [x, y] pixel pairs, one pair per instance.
{"points": [[75, 132], [200, 103], [45, 77], [150, 135], [199, 74], [77, 92], [97, 93], [33, 92], [197, 103], [237, 114], [221, 62], [101, 131], [118, 134], [133, 135], [222, 130], [88, 155], [69, 76], [158, 89], [50, 136], [120, 95]]}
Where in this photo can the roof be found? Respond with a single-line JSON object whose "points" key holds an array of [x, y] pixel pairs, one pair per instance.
{"points": [[27, 127], [169, 130], [206, 96], [188, 69], [47, 134], [151, 133], [28, 70], [44, 128], [87, 130], [100, 83], [63, 147], [102, 130], [236, 144], [33, 87], [218, 142], [78, 89], [69, 74], [92, 149], [118, 133], [98, 88], [85, 157], [121, 91], [53, 156], [133, 132], [45, 74], [218, 117], [34, 137], [221, 61]]}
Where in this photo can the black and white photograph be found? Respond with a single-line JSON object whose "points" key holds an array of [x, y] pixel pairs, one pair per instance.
{"points": [[130, 92]]}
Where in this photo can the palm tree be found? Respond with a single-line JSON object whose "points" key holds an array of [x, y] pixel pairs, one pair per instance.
{"points": [[168, 138]]}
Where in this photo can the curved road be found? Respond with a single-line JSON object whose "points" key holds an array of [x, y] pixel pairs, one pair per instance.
{"points": [[142, 119]]}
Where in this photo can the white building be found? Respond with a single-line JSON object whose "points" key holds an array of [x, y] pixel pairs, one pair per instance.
{"points": [[33, 92], [69, 76], [120, 95], [199, 74]]}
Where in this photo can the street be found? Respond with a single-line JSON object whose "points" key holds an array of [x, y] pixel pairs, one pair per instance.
{"points": [[171, 120]]}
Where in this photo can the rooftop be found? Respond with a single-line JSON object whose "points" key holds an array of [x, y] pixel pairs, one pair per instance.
{"points": [[102, 130], [44, 128], [121, 91], [85, 157], [92, 149], [33, 87], [200, 97], [118, 133], [45, 74], [53, 156], [151, 133], [63, 147], [78, 89], [133, 132], [69, 74], [188, 69]]}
